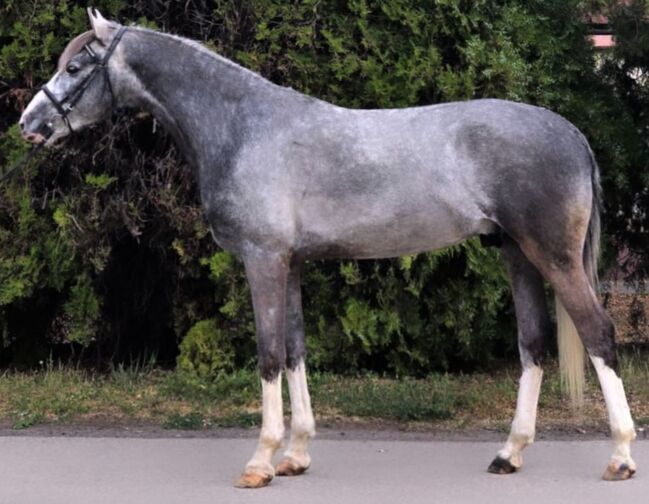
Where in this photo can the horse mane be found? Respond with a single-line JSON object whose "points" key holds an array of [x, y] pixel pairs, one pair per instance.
{"points": [[74, 47]]}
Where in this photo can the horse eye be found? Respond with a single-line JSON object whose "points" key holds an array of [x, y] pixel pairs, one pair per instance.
{"points": [[72, 68]]}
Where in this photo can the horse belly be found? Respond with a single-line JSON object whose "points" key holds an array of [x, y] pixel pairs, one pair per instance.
{"points": [[331, 228]]}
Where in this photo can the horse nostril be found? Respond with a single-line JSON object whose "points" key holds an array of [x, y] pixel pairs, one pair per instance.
{"points": [[21, 124]]}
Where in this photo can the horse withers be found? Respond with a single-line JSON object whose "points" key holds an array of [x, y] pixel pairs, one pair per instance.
{"points": [[284, 177]]}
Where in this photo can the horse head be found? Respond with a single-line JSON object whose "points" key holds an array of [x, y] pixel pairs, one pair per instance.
{"points": [[80, 92]]}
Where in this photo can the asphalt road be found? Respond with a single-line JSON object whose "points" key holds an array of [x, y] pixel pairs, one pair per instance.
{"points": [[55, 470]]}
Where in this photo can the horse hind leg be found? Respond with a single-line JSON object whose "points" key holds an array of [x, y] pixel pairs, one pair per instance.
{"points": [[597, 332], [534, 328], [296, 458]]}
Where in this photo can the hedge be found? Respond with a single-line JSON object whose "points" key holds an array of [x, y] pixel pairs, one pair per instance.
{"points": [[104, 254]]}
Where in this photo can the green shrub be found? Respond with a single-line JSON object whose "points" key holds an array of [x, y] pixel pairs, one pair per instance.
{"points": [[206, 351], [103, 249]]}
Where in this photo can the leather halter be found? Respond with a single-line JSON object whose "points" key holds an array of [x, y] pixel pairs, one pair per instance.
{"points": [[68, 102]]}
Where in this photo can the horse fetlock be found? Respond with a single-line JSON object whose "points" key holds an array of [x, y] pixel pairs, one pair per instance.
{"points": [[271, 440], [513, 455], [624, 435], [259, 467], [510, 458], [296, 458], [516, 459], [516, 443], [521, 438], [303, 430]]}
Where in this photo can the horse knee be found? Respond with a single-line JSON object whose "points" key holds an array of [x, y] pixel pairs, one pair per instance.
{"points": [[271, 363], [295, 354]]}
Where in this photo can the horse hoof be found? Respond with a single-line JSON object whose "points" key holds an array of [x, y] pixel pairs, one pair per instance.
{"points": [[501, 466], [618, 473], [289, 467], [253, 480]]}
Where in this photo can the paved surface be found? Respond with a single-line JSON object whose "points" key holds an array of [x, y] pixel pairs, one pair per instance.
{"points": [[122, 470]]}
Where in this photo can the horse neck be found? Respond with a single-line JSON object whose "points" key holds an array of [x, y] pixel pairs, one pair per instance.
{"points": [[197, 95]]}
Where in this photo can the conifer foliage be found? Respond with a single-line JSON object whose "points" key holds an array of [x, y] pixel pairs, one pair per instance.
{"points": [[104, 254]]}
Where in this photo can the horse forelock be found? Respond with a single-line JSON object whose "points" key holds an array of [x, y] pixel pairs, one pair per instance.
{"points": [[74, 47]]}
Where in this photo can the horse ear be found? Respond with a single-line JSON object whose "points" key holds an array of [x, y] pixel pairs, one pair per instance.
{"points": [[103, 28]]}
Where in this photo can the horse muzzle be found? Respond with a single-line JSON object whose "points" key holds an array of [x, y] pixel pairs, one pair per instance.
{"points": [[36, 131]]}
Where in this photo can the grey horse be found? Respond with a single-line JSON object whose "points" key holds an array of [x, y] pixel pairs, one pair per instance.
{"points": [[285, 177]]}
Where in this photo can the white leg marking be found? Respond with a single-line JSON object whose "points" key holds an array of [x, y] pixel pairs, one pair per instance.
{"points": [[272, 428], [524, 424], [302, 423], [619, 416]]}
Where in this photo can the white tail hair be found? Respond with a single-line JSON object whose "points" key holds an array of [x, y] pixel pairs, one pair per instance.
{"points": [[571, 356]]}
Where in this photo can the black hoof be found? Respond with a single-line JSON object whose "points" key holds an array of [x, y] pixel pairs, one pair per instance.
{"points": [[501, 466]]}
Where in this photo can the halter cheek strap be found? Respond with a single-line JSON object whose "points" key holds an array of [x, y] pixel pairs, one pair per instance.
{"points": [[67, 104], [63, 110]]}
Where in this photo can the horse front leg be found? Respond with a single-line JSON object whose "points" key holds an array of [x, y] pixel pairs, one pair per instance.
{"points": [[296, 458], [267, 275]]}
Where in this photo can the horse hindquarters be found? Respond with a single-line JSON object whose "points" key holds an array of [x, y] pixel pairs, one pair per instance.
{"points": [[564, 250]]}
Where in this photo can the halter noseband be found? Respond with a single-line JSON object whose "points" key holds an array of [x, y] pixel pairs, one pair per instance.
{"points": [[67, 104]]}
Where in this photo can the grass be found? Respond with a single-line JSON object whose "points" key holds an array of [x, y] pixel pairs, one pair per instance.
{"points": [[147, 395], [436, 398]]}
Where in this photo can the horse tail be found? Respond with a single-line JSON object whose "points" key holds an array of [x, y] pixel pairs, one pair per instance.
{"points": [[571, 350]]}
